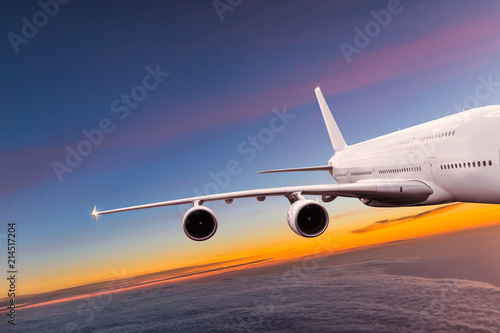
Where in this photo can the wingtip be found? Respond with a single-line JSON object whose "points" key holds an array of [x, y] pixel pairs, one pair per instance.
{"points": [[95, 213]]}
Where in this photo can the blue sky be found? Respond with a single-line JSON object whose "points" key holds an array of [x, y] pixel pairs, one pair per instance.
{"points": [[224, 80]]}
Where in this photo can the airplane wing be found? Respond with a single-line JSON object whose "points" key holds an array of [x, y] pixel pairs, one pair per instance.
{"points": [[200, 222], [305, 217]]}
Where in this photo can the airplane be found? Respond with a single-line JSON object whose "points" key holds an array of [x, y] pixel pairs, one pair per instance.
{"points": [[452, 159]]}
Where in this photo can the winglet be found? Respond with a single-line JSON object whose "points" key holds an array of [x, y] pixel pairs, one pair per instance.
{"points": [[95, 213], [336, 137]]}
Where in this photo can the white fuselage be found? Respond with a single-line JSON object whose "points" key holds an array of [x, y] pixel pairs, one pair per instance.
{"points": [[458, 156]]}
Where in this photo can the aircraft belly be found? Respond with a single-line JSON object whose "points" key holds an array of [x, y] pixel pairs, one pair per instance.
{"points": [[484, 188]]}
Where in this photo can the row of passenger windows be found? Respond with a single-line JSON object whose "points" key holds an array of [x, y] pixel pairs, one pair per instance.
{"points": [[465, 165], [394, 145], [422, 139], [411, 169], [437, 136], [399, 144], [416, 169], [363, 173]]}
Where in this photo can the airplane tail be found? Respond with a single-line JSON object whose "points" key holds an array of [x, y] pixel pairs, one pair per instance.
{"points": [[336, 137]]}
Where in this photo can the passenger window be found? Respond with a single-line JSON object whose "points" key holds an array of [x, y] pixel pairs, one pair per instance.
{"points": [[489, 163]]}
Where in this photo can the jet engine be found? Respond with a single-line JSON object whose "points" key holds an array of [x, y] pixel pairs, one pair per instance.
{"points": [[199, 223], [307, 218]]}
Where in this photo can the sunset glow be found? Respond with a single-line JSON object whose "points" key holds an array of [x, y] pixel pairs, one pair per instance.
{"points": [[121, 103]]}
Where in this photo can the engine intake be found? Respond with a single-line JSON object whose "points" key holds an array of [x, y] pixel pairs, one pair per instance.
{"points": [[307, 218], [199, 223]]}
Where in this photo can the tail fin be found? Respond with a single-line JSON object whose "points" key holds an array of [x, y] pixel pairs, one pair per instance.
{"points": [[336, 137]]}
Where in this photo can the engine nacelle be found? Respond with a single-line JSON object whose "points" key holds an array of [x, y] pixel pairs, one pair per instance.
{"points": [[199, 223], [307, 218]]}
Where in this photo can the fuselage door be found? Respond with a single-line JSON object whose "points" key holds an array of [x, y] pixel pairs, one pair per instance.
{"points": [[434, 167]]}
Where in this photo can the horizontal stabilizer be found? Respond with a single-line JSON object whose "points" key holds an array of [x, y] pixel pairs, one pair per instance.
{"points": [[314, 168]]}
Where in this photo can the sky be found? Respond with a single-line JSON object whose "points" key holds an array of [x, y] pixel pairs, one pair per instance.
{"points": [[121, 103]]}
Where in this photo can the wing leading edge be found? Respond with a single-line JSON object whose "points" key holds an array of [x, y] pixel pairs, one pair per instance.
{"points": [[398, 192]]}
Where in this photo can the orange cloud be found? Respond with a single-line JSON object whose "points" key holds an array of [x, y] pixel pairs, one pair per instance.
{"points": [[409, 218], [398, 225]]}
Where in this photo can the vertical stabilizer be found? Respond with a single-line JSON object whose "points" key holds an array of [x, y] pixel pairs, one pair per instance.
{"points": [[336, 137]]}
